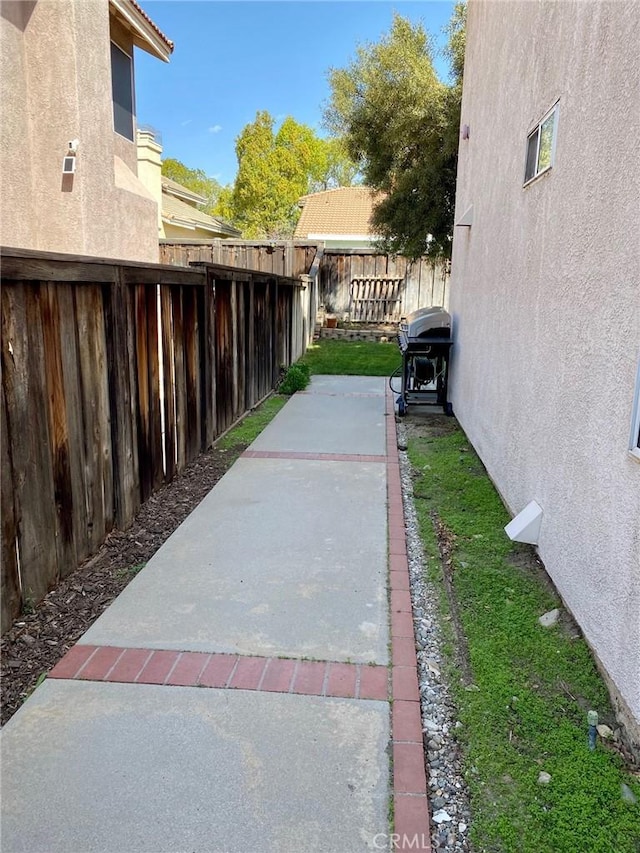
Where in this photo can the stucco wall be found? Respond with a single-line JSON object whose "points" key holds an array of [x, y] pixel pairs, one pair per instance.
{"points": [[545, 296], [59, 89]]}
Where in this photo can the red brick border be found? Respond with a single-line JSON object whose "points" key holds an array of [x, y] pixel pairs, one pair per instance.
{"points": [[411, 805], [228, 671]]}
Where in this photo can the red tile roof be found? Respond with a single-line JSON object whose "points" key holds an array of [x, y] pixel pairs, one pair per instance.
{"points": [[153, 26]]}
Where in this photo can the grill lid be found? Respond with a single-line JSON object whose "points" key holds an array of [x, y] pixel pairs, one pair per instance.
{"points": [[433, 322]]}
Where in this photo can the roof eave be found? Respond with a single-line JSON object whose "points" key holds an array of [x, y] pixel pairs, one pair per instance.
{"points": [[145, 35], [193, 225], [184, 195]]}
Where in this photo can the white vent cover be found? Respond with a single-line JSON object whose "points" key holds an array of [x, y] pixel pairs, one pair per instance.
{"points": [[466, 220], [525, 527]]}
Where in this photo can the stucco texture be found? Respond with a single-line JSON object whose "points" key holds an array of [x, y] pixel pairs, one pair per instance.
{"points": [[56, 87], [545, 297]]}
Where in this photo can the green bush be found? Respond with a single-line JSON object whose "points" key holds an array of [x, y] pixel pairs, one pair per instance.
{"points": [[295, 379]]}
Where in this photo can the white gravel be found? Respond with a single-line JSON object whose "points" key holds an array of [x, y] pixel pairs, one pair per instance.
{"points": [[448, 792]]}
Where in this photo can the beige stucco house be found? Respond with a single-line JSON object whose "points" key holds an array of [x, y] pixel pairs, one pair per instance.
{"points": [[545, 297], [179, 216], [69, 178]]}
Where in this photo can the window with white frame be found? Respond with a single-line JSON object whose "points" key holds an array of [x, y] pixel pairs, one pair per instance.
{"points": [[541, 145], [634, 437], [122, 89]]}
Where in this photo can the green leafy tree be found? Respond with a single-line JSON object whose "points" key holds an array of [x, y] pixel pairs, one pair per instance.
{"points": [[275, 169], [195, 180], [400, 123]]}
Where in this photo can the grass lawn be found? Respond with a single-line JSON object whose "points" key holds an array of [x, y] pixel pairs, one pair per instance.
{"points": [[357, 358], [522, 690], [252, 425]]}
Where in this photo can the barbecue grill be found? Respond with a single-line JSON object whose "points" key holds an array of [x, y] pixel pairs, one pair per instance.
{"points": [[425, 342]]}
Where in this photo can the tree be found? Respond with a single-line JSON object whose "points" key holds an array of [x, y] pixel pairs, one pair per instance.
{"points": [[195, 180], [400, 123], [275, 169]]}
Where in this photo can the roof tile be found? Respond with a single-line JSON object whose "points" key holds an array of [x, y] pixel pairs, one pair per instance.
{"points": [[344, 210]]}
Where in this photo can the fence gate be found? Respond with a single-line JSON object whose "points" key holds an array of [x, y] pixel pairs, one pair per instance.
{"points": [[375, 300]]}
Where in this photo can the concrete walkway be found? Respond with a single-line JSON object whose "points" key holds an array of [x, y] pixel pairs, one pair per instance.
{"points": [[236, 696]]}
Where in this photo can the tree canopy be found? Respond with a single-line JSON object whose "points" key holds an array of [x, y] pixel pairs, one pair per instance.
{"points": [[196, 181], [275, 169], [400, 124]]}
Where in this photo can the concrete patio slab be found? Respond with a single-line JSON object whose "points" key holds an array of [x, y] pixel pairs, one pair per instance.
{"points": [[283, 557], [109, 768], [337, 414], [325, 384]]}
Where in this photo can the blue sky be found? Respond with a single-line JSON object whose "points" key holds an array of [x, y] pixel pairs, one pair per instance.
{"points": [[234, 58]]}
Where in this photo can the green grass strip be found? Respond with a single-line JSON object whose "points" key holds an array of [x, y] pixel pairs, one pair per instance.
{"points": [[252, 425], [354, 358], [525, 708]]}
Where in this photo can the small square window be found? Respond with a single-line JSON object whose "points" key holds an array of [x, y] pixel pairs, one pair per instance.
{"points": [[541, 144]]}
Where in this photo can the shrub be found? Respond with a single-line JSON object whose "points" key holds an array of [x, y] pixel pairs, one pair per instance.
{"points": [[295, 379]]}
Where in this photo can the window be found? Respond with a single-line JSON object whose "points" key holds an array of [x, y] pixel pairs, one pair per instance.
{"points": [[541, 145], [634, 438], [122, 89]]}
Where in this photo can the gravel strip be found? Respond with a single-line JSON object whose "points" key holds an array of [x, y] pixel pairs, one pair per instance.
{"points": [[448, 792]]}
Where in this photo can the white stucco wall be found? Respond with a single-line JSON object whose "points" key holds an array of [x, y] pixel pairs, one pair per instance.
{"points": [[545, 296], [56, 86]]}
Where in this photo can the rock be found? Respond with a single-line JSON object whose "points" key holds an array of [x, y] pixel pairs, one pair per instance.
{"points": [[547, 620], [441, 816], [402, 445], [604, 731], [544, 778], [433, 667], [627, 794], [462, 827]]}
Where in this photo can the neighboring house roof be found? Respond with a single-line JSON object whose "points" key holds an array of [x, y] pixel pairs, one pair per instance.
{"points": [[342, 212], [146, 35], [174, 188], [178, 212]]}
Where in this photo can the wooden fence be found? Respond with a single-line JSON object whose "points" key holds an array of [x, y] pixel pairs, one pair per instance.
{"points": [[285, 258], [114, 377], [361, 283]]}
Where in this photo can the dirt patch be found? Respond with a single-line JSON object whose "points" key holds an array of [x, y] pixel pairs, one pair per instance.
{"points": [[446, 545], [427, 422], [39, 638]]}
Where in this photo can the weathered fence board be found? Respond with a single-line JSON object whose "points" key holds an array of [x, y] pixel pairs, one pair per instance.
{"points": [[192, 371], [23, 378], [168, 377], [118, 300], [97, 414], [114, 377], [74, 418], [11, 596], [58, 431]]}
